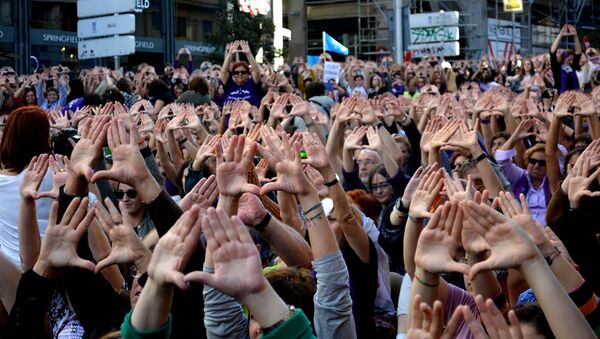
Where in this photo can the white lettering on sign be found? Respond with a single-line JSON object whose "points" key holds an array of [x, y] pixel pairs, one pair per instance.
{"points": [[59, 38], [438, 49], [433, 19], [144, 44], [141, 5], [200, 49]]}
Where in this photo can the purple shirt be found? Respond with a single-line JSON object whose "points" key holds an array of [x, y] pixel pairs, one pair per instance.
{"points": [[249, 91]]}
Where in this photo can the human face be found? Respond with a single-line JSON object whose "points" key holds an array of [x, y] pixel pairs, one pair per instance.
{"points": [[461, 159], [404, 153], [536, 166], [358, 81], [381, 189], [476, 178], [240, 75], [569, 60], [51, 97], [376, 81], [178, 91], [132, 205], [30, 98], [527, 66], [496, 144], [367, 161], [572, 162]]}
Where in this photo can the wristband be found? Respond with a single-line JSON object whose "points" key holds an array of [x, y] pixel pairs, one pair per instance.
{"points": [[332, 182], [426, 284], [304, 213], [292, 311], [484, 121], [182, 141], [141, 142], [403, 120], [263, 223], [399, 206], [479, 158], [379, 124]]}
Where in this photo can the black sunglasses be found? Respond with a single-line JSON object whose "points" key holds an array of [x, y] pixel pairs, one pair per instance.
{"points": [[536, 161], [240, 73], [131, 193]]}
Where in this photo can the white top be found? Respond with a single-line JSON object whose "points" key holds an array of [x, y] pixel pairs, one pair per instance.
{"points": [[9, 212]]}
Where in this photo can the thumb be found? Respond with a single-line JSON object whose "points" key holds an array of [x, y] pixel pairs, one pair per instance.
{"points": [[272, 186], [49, 194], [85, 264], [482, 266], [102, 264], [178, 279], [104, 174], [88, 172], [250, 188], [200, 277]]}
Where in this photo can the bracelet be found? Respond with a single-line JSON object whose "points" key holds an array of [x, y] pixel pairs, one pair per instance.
{"points": [[332, 182], [182, 141], [403, 120], [304, 213], [479, 158], [426, 284], [484, 121], [263, 223], [552, 256], [141, 142]]}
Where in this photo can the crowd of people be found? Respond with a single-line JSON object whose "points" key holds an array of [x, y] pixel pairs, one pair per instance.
{"points": [[431, 199]]}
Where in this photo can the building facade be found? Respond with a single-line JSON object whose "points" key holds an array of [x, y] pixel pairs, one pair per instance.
{"points": [[37, 33]]}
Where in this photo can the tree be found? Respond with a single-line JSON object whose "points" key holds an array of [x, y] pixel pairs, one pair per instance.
{"points": [[237, 25]]}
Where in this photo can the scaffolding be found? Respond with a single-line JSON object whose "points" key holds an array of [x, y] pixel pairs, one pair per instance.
{"points": [[373, 28]]}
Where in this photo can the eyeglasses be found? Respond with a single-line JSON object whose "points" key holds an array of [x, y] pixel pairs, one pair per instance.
{"points": [[380, 186], [536, 161], [240, 72], [131, 193]]}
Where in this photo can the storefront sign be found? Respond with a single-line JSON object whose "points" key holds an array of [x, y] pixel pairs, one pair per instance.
{"points": [[195, 47], [143, 44], [7, 34], [53, 38]]}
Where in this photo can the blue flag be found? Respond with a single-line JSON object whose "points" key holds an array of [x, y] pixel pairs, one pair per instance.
{"points": [[312, 60], [331, 45]]}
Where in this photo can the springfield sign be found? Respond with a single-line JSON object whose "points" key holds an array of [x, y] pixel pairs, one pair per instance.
{"points": [[434, 33]]}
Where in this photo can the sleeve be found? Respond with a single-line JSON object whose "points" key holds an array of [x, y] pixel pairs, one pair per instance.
{"points": [[555, 66], [190, 67], [352, 181], [456, 297], [587, 302], [27, 318], [298, 326], [62, 98], [153, 167], [164, 212], [129, 332], [39, 93], [511, 171], [333, 307], [223, 315], [414, 138]]}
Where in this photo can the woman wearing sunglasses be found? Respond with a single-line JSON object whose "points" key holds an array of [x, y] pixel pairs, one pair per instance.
{"points": [[134, 209], [532, 180], [240, 82]]}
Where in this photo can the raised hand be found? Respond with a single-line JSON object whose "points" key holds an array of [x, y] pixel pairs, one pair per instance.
{"points": [[232, 168], [495, 322], [60, 241], [428, 323], [126, 245], [413, 183], [354, 140], [128, 164], [521, 214], [317, 154], [286, 161], [426, 192], [251, 210], [58, 164], [580, 181], [439, 241], [455, 189], [433, 126], [204, 194], [174, 249], [238, 271], [34, 174], [89, 147], [509, 245], [564, 102]]}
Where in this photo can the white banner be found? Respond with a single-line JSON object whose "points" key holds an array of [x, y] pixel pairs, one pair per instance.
{"points": [[106, 25], [331, 70], [106, 47]]}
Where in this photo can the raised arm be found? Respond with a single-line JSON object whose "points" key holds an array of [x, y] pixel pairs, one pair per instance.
{"points": [[256, 70]]}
